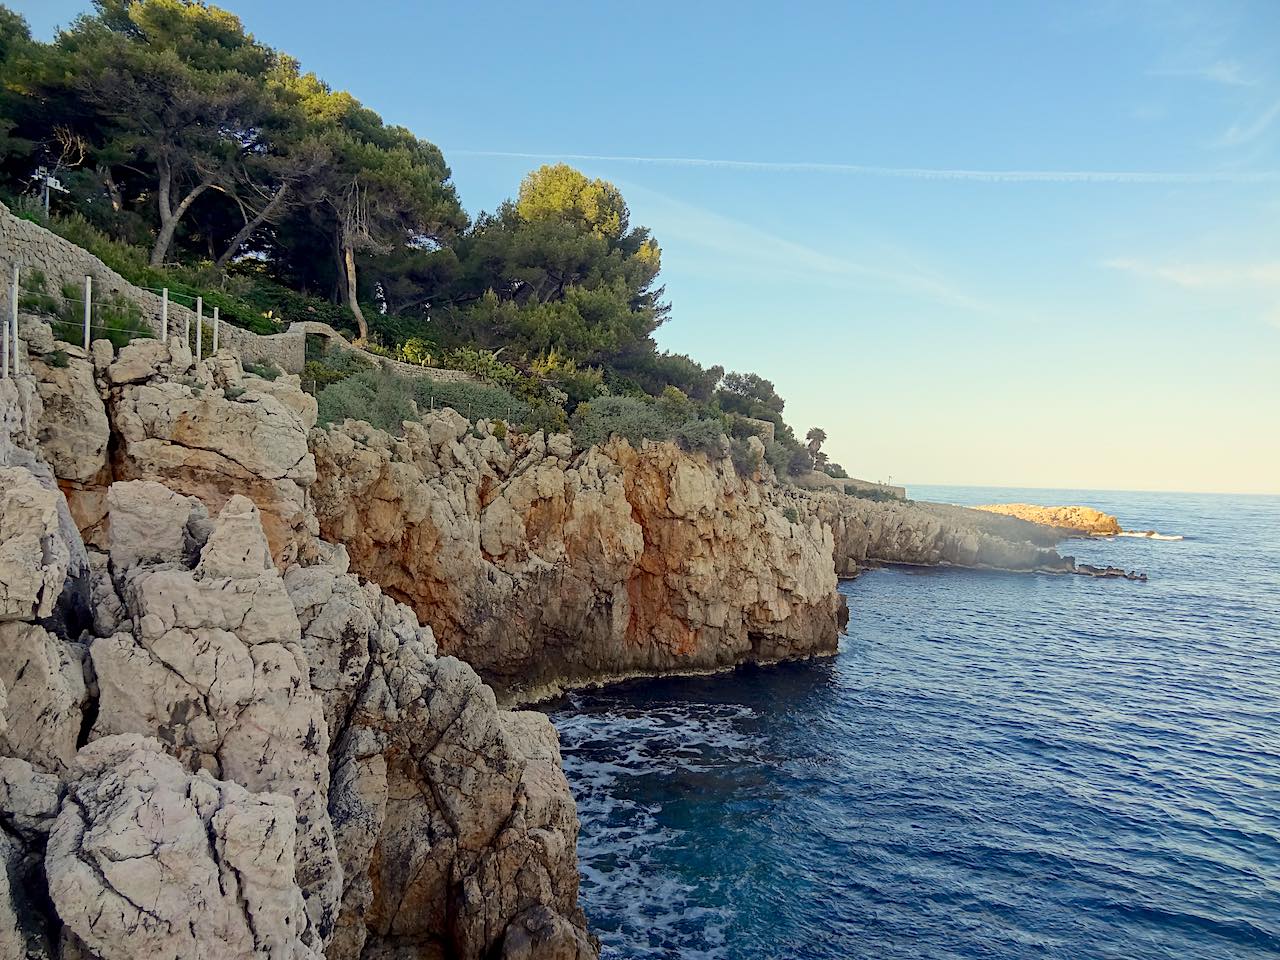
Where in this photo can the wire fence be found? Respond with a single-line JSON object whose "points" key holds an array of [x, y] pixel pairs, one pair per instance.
{"points": [[119, 319]]}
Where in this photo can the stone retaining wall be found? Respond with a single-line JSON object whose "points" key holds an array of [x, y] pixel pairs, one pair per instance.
{"points": [[33, 247]]}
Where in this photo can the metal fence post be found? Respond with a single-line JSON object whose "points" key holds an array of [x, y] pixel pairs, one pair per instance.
{"points": [[88, 307], [199, 328], [164, 315], [12, 320], [215, 330], [4, 334]]}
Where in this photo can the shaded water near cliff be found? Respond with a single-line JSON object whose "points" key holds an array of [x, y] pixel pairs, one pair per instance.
{"points": [[994, 766]]}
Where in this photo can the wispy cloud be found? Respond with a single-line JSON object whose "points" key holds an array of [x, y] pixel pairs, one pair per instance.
{"points": [[1228, 73], [751, 248], [1246, 132], [1203, 276], [914, 173]]}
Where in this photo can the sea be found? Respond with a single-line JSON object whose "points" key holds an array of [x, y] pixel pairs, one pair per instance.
{"points": [[992, 766]]}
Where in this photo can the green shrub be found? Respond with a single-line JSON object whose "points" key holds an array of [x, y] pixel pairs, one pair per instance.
{"points": [[879, 496], [475, 401], [267, 371], [233, 393], [417, 350], [745, 460], [32, 295], [58, 358], [328, 363], [116, 319], [379, 398], [791, 515], [672, 417]]}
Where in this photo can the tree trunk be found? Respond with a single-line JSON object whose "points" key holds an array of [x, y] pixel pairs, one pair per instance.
{"points": [[171, 216], [353, 299], [251, 225], [339, 268], [113, 189]]}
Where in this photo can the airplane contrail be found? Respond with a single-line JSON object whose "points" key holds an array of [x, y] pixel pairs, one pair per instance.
{"points": [[909, 173]]}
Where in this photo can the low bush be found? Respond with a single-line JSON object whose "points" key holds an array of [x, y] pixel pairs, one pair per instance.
{"points": [[636, 419], [379, 398], [864, 493], [267, 371], [745, 460]]}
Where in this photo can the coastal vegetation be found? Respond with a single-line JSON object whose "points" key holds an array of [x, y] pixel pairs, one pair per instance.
{"points": [[197, 158]]}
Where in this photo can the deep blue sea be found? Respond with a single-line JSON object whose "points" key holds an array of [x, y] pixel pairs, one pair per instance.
{"points": [[993, 766]]}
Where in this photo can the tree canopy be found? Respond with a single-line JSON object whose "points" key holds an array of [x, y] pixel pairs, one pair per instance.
{"points": [[181, 135]]}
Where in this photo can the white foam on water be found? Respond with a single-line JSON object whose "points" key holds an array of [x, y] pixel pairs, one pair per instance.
{"points": [[652, 911]]}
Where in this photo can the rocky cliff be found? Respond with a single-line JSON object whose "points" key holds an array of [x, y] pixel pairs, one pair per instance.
{"points": [[232, 722], [217, 741], [544, 566]]}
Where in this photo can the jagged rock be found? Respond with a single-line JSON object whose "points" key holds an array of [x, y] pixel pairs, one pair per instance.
{"points": [[211, 431], [540, 934], [153, 523], [213, 667], [46, 697], [867, 532], [20, 411], [74, 430], [452, 818], [34, 553], [29, 798], [147, 861], [1071, 521], [540, 568]]}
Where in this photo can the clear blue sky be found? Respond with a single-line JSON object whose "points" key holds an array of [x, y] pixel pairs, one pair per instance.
{"points": [[1108, 332]]}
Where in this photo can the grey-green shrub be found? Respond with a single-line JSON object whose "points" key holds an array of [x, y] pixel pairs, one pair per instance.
{"points": [[378, 398]]}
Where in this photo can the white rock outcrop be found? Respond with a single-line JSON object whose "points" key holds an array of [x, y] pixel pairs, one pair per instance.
{"points": [[148, 861]]}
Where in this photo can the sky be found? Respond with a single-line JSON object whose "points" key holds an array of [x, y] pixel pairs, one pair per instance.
{"points": [[994, 243]]}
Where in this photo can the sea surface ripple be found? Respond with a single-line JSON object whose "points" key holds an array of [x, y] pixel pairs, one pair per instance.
{"points": [[993, 766]]}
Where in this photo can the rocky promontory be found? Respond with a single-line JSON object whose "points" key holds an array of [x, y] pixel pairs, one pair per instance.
{"points": [[1073, 521]]}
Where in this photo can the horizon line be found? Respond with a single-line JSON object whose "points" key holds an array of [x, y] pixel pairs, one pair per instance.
{"points": [[1072, 489], [907, 173]]}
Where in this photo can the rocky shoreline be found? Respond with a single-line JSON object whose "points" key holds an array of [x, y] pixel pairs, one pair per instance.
{"points": [[272, 657]]}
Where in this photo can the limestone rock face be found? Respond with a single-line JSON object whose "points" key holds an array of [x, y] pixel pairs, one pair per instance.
{"points": [[212, 431], [34, 555], [43, 678], [453, 819], [172, 797], [540, 567], [147, 861], [868, 532], [207, 430], [74, 430], [214, 668]]}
